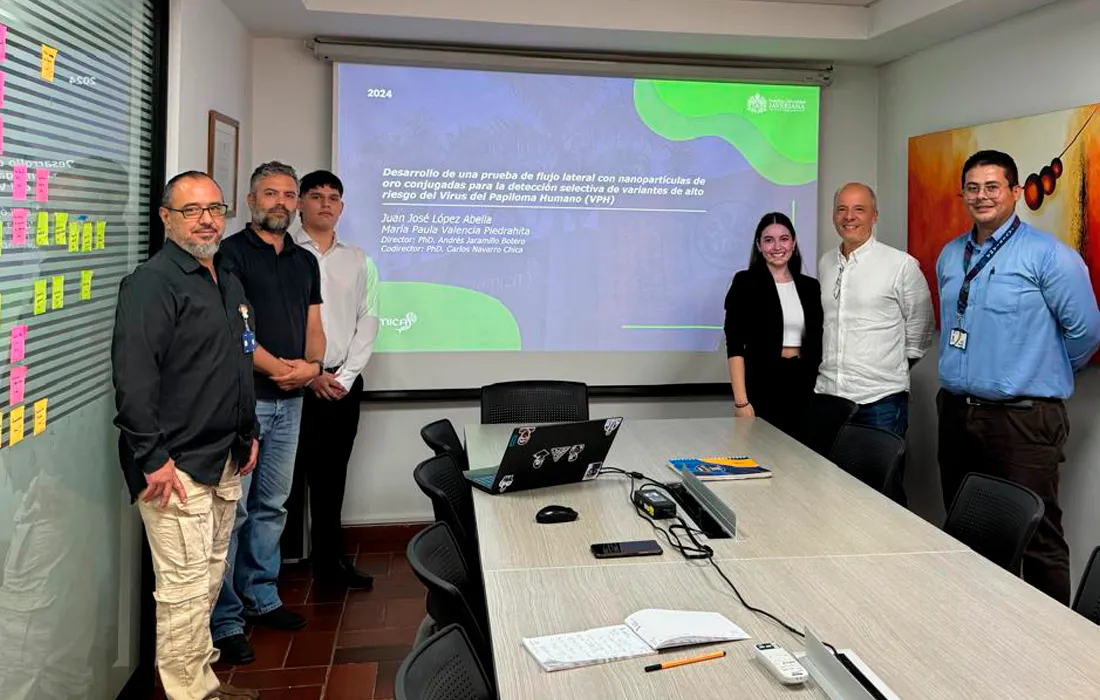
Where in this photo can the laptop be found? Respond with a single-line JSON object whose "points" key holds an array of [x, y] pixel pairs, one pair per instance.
{"points": [[549, 455]]}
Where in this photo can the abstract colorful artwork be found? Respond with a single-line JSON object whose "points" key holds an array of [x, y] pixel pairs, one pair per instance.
{"points": [[1058, 155]]}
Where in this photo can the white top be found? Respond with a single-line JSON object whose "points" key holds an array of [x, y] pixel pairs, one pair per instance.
{"points": [[878, 316], [794, 319], [349, 312]]}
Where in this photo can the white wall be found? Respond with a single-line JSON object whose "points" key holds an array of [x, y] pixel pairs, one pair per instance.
{"points": [[1041, 62], [295, 124], [210, 59]]}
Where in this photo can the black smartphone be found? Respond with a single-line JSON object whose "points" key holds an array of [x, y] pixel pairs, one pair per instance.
{"points": [[640, 548]]}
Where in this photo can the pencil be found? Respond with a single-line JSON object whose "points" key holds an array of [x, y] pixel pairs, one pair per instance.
{"points": [[688, 660]]}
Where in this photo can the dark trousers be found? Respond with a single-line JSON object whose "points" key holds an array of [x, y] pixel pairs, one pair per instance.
{"points": [[324, 449], [780, 390], [1023, 445], [889, 413]]}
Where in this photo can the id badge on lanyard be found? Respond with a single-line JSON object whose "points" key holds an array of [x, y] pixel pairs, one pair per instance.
{"points": [[957, 338], [248, 338]]}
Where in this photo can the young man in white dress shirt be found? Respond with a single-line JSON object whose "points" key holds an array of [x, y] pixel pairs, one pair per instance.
{"points": [[878, 318], [330, 414]]}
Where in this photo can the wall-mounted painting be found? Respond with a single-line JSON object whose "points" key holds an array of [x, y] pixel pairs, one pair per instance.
{"points": [[1058, 155]]}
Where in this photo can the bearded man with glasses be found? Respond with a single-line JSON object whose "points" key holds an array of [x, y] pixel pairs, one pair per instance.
{"points": [[182, 369], [1017, 318]]}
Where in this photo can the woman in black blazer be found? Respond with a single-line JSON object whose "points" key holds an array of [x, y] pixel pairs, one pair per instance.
{"points": [[773, 328]]}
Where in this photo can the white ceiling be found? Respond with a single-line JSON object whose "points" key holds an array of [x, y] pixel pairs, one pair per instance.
{"points": [[858, 31]]}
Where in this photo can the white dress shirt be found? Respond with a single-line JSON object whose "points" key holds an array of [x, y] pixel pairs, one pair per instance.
{"points": [[349, 314], [878, 316]]}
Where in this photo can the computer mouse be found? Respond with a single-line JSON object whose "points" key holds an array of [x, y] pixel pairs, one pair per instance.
{"points": [[555, 514]]}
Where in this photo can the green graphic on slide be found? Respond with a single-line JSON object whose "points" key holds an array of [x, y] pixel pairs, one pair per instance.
{"points": [[425, 317], [775, 127]]}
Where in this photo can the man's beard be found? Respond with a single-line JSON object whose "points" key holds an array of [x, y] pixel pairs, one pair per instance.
{"points": [[275, 222], [203, 251]]}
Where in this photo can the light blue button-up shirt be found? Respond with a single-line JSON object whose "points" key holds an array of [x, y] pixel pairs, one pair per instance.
{"points": [[1031, 320]]}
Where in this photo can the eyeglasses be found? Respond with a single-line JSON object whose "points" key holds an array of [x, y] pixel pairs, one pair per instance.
{"points": [[992, 190], [217, 211], [836, 287]]}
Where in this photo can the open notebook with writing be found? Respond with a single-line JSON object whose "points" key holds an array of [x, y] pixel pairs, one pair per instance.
{"points": [[646, 632]]}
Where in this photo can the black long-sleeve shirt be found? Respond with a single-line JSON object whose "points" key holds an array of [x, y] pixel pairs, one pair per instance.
{"points": [[183, 383]]}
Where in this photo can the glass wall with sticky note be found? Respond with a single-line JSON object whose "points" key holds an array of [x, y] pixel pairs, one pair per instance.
{"points": [[79, 80]]}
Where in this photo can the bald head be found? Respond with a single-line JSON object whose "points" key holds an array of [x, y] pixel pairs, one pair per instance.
{"points": [[855, 211]]}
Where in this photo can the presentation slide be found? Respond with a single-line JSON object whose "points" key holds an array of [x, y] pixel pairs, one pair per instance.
{"points": [[542, 213]]}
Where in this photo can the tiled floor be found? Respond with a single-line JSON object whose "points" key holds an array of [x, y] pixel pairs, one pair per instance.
{"points": [[354, 640]]}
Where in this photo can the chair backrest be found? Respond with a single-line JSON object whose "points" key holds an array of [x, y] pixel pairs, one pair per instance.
{"points": [[453, 595], [534, 402], [994, 517], [452, 501], [1087, 599], [822, 418], [442, 438], [444, 667], [871, 455]]}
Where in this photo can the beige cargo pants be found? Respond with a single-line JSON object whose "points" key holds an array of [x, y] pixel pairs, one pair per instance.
{"points": [[189, 543]]}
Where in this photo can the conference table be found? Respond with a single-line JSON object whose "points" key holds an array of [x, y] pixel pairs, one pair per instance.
{"points": [[814, 546]]}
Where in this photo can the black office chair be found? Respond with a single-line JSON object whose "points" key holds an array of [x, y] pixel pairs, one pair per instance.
{"points": [[874, 456], [454, 597], [441, 437], [534, 402], [441, 481], [1087, 600], [444, 667], [994, 517], [822, 418]]}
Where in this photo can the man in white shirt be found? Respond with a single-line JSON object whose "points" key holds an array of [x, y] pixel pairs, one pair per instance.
{"points": [[330, 413], [878, 317]]}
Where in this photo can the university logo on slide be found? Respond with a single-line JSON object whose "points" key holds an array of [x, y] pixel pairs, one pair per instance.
{"points": [[758, 104], [400, 323]]}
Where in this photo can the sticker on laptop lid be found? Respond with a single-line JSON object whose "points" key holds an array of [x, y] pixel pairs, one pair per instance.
{"points": [[593, 471], [505, 482], [559, 452], [611, 425], [575, 452], [523, 435], [540, 458]]}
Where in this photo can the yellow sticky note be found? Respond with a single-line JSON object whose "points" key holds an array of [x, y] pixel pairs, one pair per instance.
{"points": [[39, 297], [100, 234], [60, 226], [74, 236], [49, 62], [85, 285], [58, 291], [42, 229], [40, 416], [16, 430], [86, 237]]}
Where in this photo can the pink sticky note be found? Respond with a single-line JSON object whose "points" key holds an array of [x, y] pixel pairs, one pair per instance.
{"points": [[41, 184], [18, 343], [19, 226], [3, 42], [18, 384], [19, 181]]}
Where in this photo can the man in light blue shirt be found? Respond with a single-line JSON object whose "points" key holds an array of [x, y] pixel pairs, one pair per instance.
{"points": [[1017, 318]]}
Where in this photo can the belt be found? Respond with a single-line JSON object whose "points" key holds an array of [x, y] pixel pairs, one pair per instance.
{"points": [[332, 370], [1014, 402]]}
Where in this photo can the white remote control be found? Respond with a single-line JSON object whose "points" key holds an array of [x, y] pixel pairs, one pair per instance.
{"points": [[781, 664]]}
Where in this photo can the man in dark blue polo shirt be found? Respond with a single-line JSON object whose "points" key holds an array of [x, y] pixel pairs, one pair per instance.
{"points": [[283, 282]]}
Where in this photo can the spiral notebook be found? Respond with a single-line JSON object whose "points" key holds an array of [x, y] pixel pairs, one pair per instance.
{"points": [[645, 633], [721, 468]]}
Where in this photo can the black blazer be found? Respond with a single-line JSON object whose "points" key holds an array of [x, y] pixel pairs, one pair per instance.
{"points": [[754, 321]]}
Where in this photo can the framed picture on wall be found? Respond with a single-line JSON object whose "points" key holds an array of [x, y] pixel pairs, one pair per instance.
{"points": [[223, 147]]}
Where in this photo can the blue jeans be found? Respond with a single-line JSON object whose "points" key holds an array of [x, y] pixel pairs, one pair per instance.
{"points": [[252, 564], [889, 413]]}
